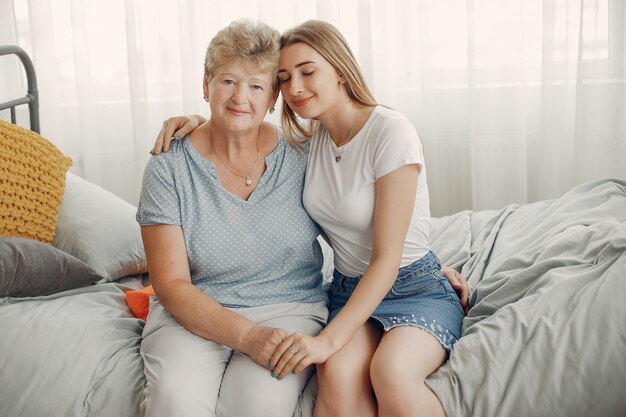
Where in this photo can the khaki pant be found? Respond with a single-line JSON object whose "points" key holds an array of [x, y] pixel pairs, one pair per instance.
{"points": [[189, 376]]}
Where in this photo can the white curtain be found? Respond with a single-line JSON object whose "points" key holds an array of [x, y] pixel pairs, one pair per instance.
{"points": [[514, 100]]}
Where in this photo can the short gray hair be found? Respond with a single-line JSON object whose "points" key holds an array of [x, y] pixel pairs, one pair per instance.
{"points": [[249, 41]]}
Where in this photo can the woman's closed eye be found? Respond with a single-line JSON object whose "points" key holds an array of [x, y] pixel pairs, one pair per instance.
{"points": [[285, 79]]}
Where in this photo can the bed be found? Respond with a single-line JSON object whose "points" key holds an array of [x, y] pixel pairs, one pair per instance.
{"points": [[545, 335]]}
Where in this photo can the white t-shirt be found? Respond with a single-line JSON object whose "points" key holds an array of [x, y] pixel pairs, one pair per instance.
{"points": [[340, 196]]}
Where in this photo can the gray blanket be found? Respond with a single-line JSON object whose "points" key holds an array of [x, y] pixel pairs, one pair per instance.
{"points": [[546, 333], [74, 353]]}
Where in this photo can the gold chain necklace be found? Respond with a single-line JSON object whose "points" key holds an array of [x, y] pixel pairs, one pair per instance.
{"points": [[338, 157], [248, 180]]}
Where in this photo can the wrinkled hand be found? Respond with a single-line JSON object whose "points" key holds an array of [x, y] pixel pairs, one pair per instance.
{"points": [[175, 128], [260, 342], [297, 352], [459, 283]]}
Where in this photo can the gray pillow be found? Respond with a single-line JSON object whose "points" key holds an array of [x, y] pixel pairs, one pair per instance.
{"points": [[100, 229], [30, 268]]}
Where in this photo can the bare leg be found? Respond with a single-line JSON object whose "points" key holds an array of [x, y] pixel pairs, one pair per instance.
{"points": [[405, 357], [344, 386]]}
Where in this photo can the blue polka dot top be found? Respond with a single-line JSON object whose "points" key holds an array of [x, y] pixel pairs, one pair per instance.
{"points": [[242, 253]]}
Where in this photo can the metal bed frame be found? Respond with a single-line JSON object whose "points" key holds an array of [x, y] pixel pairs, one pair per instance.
{"points": [[32, 97]]}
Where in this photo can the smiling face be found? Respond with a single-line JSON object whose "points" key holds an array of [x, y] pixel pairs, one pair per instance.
{"points": [[239, 96], [310, 85]]}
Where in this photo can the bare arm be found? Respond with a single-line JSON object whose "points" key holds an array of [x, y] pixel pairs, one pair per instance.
{"points": [[192, 308], [395, 198]]}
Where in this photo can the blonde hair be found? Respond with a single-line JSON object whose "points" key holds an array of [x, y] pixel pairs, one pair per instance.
{"points": [[330, 44], [251, 42]]}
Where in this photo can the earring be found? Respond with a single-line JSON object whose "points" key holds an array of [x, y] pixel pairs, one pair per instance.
{"points": [[272, 110], [206, 98]]}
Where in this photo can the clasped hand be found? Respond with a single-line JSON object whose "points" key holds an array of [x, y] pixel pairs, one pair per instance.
{"points": [[283, 353], [260, 343], [297, 352]]}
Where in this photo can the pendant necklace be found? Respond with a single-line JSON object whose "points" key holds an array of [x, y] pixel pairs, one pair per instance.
{"points": [[338, 157], [248, 180]]}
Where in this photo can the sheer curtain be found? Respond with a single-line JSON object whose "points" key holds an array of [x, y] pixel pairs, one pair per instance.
{"points": [[514, 100]]}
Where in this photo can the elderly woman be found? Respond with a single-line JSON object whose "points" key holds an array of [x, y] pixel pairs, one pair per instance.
{"points": [[232, 254]]}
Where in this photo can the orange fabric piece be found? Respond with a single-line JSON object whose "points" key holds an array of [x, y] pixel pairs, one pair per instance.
{"points": [[139, 301]]}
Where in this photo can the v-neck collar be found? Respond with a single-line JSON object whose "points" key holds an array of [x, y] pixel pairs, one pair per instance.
{"points": [[258, 192]]}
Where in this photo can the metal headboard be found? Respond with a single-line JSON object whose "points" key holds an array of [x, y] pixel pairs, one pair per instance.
{"points": [[32, 98]]}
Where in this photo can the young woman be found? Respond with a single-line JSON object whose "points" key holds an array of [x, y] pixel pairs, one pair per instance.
{"points": [[393, 316]]}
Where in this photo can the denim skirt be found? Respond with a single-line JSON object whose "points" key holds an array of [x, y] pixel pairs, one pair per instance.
{"points": [[421, 297]]}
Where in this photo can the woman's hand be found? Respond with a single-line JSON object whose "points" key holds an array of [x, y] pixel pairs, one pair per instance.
{"points": [[459, 283], [297, 352], [260, 342], [175, 128]]}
